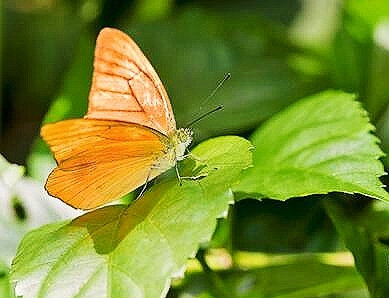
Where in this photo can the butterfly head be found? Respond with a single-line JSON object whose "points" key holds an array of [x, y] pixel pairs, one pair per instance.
{"points": [[183, 137]]}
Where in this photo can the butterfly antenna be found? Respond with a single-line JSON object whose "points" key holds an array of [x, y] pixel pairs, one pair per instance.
{"points": [[204, 115], [226, 77]]}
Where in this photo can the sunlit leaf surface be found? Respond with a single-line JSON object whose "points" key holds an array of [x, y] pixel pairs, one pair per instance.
{"points": [[133, 251], [321, 144]]}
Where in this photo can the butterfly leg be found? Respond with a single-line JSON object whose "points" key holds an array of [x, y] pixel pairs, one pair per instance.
{"points": [[195, 158], [196, 177], [180, 178], [178, 174], [144, 186], [192, 156]]}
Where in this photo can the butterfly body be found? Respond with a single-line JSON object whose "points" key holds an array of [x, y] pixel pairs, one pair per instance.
{"points": [[128, 135]]}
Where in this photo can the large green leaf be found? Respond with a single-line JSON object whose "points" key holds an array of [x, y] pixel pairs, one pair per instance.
{"points": [[133, 251], [320, 144]]}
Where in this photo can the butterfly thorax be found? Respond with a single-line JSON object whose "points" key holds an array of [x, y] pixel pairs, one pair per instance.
{"points": [[181, 140], [178, 141]]}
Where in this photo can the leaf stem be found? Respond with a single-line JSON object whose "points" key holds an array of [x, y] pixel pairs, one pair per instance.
{"points": [[218, 287]]}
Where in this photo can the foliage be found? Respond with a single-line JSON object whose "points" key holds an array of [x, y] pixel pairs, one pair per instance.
{"points": [[325, 146], [113, 243], [309, 89]]}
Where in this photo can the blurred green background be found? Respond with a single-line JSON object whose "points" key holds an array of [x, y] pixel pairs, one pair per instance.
{"points": [[276, 51]]}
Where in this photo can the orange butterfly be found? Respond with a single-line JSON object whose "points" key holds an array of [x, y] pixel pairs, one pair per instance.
{"points": [[128, 135]]}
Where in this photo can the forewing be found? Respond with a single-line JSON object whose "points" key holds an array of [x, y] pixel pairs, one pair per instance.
{"points": [[125, 86], [100, 161]]}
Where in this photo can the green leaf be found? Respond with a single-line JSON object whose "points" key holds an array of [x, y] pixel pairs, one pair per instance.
{"points": [[383, 131], [365, 13], [133, 251], [377, 87], [320, 144], [5, 289], [366, 234]]}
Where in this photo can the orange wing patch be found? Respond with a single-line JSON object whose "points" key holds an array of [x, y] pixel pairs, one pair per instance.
{"points": [[128, 135], [100, 161], [125, 86]]}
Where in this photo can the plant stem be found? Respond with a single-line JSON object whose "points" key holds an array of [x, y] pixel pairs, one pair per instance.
{"points": [[218, 287]]}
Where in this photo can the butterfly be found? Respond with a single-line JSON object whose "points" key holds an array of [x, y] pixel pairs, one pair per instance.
{"points": [[128, 135]]}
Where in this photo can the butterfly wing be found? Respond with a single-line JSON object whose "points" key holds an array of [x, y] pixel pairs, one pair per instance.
{"points": [[125, 86], [99, 161]]}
